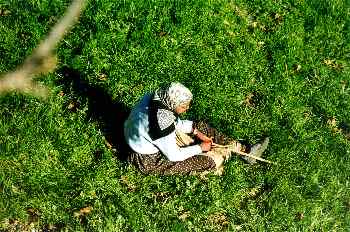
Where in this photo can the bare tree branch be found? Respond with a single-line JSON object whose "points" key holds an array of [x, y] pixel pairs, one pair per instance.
{"points": [[43, 60]]}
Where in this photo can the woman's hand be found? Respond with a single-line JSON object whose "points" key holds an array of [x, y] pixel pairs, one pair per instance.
{"points": [[205, 146], [202, 136]]}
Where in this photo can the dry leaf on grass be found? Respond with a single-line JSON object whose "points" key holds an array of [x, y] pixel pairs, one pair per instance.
{"points": [[130, 186], [162, 33], [260, 44], [344, 85], [297, 67], [249, 100], [83, 211], [61, 94], [332, 64], [254, 191], [102, 77], [299, 216], [328, 62], [4, 12], [278, 18], [73, 106], [333, 124], [184, 215]]}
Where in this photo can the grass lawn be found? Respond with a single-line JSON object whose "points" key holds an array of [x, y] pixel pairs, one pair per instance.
{"points": [[257, 68]]}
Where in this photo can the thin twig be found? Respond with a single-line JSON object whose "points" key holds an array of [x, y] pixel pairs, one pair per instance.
{"points": [[42, 60], [220, 146]]}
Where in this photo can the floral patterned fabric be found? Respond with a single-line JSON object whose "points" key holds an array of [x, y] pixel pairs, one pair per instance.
{"points": [[158, 164]]}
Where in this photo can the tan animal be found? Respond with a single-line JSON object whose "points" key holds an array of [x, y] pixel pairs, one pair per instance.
{"points": [[221, 153]]}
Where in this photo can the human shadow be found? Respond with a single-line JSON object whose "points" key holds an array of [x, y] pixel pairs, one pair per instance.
{"points": [[109, 115]]}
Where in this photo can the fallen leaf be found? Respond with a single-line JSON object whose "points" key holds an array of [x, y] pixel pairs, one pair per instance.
{"points": [[184, 215], [108, 144], [332, 64], [263, 27], [254, 24], [297, 67], [61, 94], [344, 84], [15, 189], [102, 77], [328, 62], [261, 43], [83, 211], [254, 191], [278, 17], [249, 100], [162, 33], [332, 122], [299, 216], [4, 12], [130, 186], [86, 210], [73, 105]]}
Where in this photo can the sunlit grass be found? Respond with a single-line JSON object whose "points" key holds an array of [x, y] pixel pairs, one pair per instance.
{"points": [[258, 68]]}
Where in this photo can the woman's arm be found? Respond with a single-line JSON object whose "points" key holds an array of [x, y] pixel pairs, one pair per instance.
{"points": [[167, 145], [187, 126], [201, 136]]}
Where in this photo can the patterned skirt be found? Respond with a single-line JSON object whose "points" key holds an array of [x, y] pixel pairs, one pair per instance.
{"points": [[158, 164]]}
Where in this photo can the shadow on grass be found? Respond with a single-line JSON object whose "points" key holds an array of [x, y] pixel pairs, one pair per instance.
{"points": [[110, 115]]}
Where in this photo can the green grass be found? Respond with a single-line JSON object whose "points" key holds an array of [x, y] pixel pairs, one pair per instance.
{"points": [[240, 59]]}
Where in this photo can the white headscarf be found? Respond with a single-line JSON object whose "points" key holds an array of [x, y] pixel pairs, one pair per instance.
{"points": [[173, 95]]}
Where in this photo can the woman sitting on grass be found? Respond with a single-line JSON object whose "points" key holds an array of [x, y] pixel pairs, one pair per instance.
{"points": [[153, 126]]}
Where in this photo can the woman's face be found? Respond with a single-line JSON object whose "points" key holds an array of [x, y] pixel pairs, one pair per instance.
{"points": [[182, 108]]}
